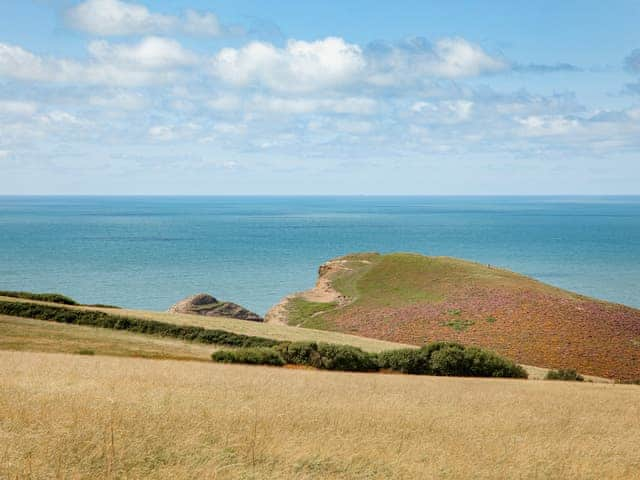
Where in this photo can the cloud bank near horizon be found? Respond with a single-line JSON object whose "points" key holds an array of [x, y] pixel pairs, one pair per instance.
{"points": [[146, 84]]}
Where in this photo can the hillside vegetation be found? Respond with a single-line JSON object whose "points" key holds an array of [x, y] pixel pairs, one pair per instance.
{"points": [[253, 329], [74, 416], [414, 299]]}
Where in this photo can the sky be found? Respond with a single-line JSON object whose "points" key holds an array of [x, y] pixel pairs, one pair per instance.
{"points": [[250, 97]]}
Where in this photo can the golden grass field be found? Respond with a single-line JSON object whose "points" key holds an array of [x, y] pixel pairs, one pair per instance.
{"points": [[25, 334], [74, 416]]}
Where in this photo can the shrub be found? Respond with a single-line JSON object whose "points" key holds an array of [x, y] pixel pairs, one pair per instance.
{"points": [[86, 351], [484, 363], [301, 353], [450, 359], [407, 360], [43, 297], [347, 358], [328, 356], [566, 374], [253, 356]]}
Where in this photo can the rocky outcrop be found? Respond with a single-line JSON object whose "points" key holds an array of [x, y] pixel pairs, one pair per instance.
{"points": [[205, 304]]}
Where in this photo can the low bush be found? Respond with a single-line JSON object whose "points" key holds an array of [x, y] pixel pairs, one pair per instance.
{"points": [[136, 325], [347, 358], [566, 374], [43, 297], [328, 356], [408, 360], [450, 359], [301, 353], [86, 351], [253, 356]]}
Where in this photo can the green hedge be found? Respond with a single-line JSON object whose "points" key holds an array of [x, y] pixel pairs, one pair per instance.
{"points": [[441, 358], [450, 359], [117, 322], [328, 356], [43, 297], [567, 374], [253, 356]]}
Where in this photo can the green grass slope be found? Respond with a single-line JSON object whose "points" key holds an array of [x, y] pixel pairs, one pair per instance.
{"points": [[411, 298]]}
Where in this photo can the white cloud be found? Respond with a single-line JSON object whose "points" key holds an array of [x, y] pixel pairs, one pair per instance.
{"points": [[354, 127], [121, 100], [113, 17], [226, 103], [150, 52], [166, 133], [415, 60], [458, 58], [17, 108], [547, 125], [152, 60], [449, 111], [349, 105], [331, 62], [205, 24], [4, 154], [117, 18], [300, 66]]}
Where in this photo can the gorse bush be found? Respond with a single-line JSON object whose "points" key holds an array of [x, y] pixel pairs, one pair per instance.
{"points": [[567, 374], [43, 297], [450, 359], [347, 358], [136, 325], [328, 356], [253, 356]]}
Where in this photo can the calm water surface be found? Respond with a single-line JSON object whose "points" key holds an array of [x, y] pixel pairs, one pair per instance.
{"points": [[148, 252]]}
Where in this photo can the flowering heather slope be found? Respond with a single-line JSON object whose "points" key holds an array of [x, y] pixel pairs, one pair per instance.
{"points": [[413, 299]]}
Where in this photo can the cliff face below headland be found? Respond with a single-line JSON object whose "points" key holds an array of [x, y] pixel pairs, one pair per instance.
{"points": [[205, 304], [411, 298]]}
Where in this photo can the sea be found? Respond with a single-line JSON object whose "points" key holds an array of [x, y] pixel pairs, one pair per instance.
{"points": [[149, 252]]}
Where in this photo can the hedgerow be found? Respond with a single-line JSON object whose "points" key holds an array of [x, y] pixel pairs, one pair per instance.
{"points": [[136, 325], [253, 356], [43, 297], [328, 356], [566, 374], [450, 359]]}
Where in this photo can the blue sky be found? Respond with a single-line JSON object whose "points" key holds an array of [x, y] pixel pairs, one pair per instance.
{"points": [[332, 97]]}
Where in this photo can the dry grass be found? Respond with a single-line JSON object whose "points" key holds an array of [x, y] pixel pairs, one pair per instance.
{"points": [[25, 334], [68, 416], [277, 332]]}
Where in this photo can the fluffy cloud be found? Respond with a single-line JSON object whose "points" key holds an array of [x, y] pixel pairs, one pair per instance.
{"points": [[300, 66], [446, 112], [114, 17], [119, 100], [152, 60], [332, 62], [151, 52], [17, 108], [548, 125], [347, 105], [415, 59]]}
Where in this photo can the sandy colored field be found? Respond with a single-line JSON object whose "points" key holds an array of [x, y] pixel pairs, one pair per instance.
{"points": [[66, 416], [25, 334], [278, 332]]}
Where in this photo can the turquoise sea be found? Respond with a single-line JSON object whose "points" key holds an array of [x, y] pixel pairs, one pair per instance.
{"points": [[148, 252]]}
